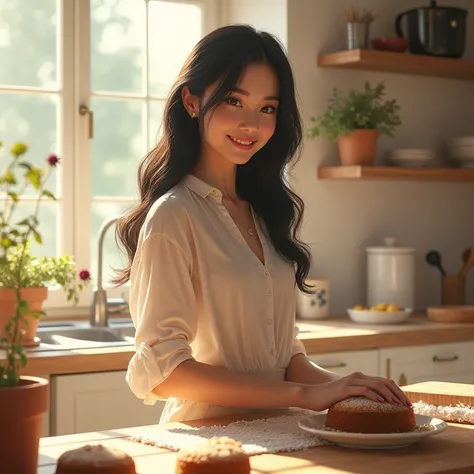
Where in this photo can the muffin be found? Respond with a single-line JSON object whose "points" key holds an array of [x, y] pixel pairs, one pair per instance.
{"points": [[361, 415], [217, 455], [92, 459]]}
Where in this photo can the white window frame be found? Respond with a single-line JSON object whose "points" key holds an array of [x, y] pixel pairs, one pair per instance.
{"points": [[75, 183], [65, 114]]}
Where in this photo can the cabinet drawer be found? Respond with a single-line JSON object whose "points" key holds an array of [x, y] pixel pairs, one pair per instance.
{"points": [[347, 362], [440, 358], [443, 362]]}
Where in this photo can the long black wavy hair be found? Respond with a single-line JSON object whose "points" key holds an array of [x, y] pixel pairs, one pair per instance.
{"points": [[221, 57]]}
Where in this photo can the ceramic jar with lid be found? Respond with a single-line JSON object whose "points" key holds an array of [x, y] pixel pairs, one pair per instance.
{"points": [[391, 275]]}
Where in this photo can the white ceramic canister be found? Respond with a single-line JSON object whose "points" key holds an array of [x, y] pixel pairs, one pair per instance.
{"points": [[314, 306], [391, 275]]}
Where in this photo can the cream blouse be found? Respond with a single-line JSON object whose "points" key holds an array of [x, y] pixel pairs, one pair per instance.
{"points": [[199, 292]]}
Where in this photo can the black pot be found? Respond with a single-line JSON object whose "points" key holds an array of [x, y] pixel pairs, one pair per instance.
{"points": [[434, 30]]}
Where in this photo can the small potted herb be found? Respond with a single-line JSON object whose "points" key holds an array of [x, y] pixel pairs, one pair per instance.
{"points": [[24, 281], [355, 121], [36, 275]]}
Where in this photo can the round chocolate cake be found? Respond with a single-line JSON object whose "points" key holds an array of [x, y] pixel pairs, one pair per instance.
{"points": [[361, 415]]}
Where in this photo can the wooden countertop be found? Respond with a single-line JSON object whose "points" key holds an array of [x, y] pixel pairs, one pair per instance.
{"points": [[341, 334], [336, 334], [447, 453]]}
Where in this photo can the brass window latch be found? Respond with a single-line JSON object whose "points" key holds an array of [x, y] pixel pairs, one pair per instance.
{"points": [[84, 110]]}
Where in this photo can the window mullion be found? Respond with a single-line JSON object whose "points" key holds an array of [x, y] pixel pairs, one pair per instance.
{"points": [[66, 125], [82, 157]]}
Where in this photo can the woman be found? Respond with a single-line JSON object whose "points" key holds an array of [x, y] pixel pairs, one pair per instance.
{"points": [[212, 245]]}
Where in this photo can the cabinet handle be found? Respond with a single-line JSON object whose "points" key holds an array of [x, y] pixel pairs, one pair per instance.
{"points": [[333, 366], [388, 368], [445, 359], [402, 380]]}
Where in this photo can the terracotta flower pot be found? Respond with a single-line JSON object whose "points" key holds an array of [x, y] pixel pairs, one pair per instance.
{"points": [[21, 417], [35, 297], [358, 148]]}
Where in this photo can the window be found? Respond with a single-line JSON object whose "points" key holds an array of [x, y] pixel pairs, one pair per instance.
{"points": [[117, 60]]}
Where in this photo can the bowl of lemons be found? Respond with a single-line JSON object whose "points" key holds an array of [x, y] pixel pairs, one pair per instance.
{"points": [[379, 314]]}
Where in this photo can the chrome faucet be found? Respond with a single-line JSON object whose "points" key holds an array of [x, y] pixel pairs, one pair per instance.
{"points": [[100, 303]]}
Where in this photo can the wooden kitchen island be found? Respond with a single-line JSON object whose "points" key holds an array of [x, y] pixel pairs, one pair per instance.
{"points": [[450, 452]]}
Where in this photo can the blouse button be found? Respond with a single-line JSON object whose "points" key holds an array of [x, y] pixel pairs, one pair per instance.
{"points": [[272, 352], [266, 272], [269, 293], [269, 321]]}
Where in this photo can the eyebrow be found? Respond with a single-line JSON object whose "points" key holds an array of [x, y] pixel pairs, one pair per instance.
{"points": [[243, 92]]}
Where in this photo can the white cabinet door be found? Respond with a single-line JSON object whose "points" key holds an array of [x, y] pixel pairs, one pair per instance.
{"points": [[453, 362], [95, 402], [45, 430], [344, 363]]}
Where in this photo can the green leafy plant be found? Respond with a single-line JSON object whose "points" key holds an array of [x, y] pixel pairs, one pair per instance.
{"points": [[42, 271], [357, 110], [18, 267]]}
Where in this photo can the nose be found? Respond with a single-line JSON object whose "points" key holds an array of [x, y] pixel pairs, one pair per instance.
{"points": [[250, 121]]}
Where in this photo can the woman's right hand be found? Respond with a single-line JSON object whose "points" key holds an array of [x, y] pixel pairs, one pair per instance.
{"points": [[321, 396]]}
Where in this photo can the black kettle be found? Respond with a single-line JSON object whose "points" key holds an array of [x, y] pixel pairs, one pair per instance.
{"points": [[434, 30]]}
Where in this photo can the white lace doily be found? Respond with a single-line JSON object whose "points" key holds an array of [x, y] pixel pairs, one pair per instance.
{"points": [[271, 435], [281, 433]]}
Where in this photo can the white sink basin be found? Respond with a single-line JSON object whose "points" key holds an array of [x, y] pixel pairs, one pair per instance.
{"points": [[81, 335]]}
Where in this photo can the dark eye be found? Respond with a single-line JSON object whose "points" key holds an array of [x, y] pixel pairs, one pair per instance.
{"points": [[269, 109], [233, 101]]}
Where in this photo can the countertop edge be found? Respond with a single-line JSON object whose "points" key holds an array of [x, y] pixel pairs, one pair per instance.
{"points": [[329, 336]]}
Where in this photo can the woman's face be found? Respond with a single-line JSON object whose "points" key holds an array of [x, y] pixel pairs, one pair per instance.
{"points": [[243, 124]]}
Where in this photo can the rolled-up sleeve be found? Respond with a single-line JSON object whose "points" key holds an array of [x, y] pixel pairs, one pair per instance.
{"points": [[298, 346], [163, 308]]}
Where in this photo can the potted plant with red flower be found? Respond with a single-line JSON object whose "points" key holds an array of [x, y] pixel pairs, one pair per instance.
{"points": [[24, 282]]}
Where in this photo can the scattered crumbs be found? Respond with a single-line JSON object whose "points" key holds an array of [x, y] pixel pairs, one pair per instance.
{"points": [[425, 427], [326, 428]]}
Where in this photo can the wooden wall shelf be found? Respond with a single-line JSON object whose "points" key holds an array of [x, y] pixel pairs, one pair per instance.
{"points": [[366, 173], [402, 63]]}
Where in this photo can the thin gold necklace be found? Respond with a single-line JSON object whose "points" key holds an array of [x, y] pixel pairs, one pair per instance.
{"points": [[250, 230]]}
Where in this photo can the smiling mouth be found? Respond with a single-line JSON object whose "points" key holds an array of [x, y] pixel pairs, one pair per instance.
{"points": [[241, 143]]}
